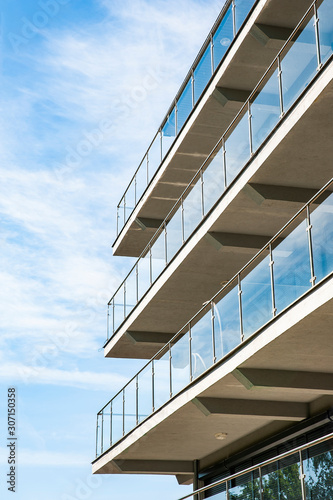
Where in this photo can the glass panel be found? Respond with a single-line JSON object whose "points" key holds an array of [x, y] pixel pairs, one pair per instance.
{"points": [[202, 73], [281, 480], [158, 259], [292, 266], [117, 418], [145, 396], [168, 132], [227, 323], [299, 64], [217, 492], [213, 181], [184, 105], [130, 200], [242, 9], [106, 428], [223, 37], [161, 380], [119, 309], [202, 344], [154, 157], [192, 209], [322, 238], [121, 215], [143, 274], [99, 434], [130, 406], [174, 234], [237, 148], [141, 179], [325, 29], [265, 110], [318, 469], [246, 487], [130, 291], [180, 364], [257, 298]]}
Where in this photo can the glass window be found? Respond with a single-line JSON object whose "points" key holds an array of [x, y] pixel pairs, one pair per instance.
{"points": [[223, 37], [325, 29], [184, 105], [237, 148], [202, 73], [227, 323], [322, 237], [168, 132], [213, 180], [192, 209], [180, 363], [202, 344]]}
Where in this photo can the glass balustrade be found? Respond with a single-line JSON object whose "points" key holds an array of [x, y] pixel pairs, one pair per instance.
{"points": [[280, 86], [295, 260], [200, 74]]}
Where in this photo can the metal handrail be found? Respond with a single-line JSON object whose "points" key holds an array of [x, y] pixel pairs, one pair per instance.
{"points": [[227, 133], [204, 47], [220, 292], [298, 449]]}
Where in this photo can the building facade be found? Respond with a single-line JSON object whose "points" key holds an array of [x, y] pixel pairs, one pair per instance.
{"points": [[230, 216]]}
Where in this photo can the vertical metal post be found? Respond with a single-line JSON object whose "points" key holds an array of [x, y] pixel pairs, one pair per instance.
{"points": [[190, 351], [202, 195], [166, 243], [302, 476], [135, 193], [212, 53], [224, 163], [309, 232], [280, 86], [125, 293], [161, 149], [250, 127], [170, 370], [113, 316], [147, 167], [316, 26], [150, 266], [137, 399], [271, 267], [117, 220], [153, 385], [102, 432], [213, 331], [176, 118], [108, 323], [124, 209], [226, 490], [192, 84], [182, 219], [196, 478], [123, 412], [261, 490], [234, 17], [240, 308], [137, 282], [111, 417], [96, 451]]}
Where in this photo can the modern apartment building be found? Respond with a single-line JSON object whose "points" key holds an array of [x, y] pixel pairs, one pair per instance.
{"points": [[230, 216]]}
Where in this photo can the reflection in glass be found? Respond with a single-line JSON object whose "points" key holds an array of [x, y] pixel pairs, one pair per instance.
{"points": [[145, 393], [322, 238], [299, 64], [180, 363], [174, 234], [168, 132], [202, 344], [192, 209], [265, 110], [158, 258], [292, 272], [202, 73], [281, 479], [242, 9], [237, 148], [318, 470], [213, 181], [227, 323], [257, 305], [325, 29], [184, 105], [223, 37], [246, 487], [161, 380]]}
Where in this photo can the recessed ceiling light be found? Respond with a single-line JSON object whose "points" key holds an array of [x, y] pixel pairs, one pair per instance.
{"points": [[221, 435]]}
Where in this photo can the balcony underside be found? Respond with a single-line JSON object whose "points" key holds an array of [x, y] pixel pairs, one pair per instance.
{"points": [[255, 48], [282, 375], [294, 163]]}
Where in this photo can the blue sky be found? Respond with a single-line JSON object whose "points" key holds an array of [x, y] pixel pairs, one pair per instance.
{"points": [[84, 87]]}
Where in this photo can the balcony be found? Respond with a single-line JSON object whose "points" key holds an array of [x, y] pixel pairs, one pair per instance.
{"points": [[274, 124], [245, 337], [231, 62]]}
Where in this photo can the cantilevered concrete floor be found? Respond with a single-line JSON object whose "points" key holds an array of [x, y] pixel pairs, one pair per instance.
{"points": [[283, 374], [292, 165], [265, 32]]}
